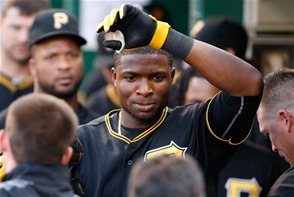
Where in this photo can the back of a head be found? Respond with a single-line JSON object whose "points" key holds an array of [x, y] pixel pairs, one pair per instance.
{"points": [[223, 33], [277, 91], [40, 128], [167, 176], [25, 7]]}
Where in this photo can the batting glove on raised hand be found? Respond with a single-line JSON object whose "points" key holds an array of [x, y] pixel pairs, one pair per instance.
{"points": [[138, 29]]}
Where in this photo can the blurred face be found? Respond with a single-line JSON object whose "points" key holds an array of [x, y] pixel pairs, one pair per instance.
{"points": [[143, 84], [199, 90], [57, 66], [14, 35], [280, 131]]}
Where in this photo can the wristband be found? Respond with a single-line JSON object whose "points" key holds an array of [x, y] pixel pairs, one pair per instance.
{"points": [[178, 44], [160, 33]]}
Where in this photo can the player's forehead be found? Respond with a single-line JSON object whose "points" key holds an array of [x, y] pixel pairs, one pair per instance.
{"points": [[56, 44], [16, 12], [14, 17], [143, 64], [144, 58]]}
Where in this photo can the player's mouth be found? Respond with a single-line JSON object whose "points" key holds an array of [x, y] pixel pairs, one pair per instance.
{"points": [[144, 107], [65, 80]]}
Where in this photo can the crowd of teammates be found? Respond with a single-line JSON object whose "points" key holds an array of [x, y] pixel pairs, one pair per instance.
{"points": [[146, 122]]}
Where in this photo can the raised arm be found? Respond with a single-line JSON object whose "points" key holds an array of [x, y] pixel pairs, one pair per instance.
{"points": [[222, 69], [226, 71]]}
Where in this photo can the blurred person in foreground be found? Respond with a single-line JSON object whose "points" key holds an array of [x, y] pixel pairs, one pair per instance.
{"points": [[36, 147], [166, 175]]}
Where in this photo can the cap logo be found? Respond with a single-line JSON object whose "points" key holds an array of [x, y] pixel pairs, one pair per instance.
{"points": [[60, 19]]}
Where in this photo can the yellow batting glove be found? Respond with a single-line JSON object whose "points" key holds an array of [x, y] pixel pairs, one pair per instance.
{"points": [[138, 29]]}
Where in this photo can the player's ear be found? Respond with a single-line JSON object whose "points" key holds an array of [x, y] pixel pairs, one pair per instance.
{"points": [[32, 66], [287, 119], [3, 140], [113, 75], [173, 73], [67, 156]]}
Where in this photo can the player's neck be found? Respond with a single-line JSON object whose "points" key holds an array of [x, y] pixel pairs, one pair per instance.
{"points": [[13, 69], [73, 102], [128, 121]]}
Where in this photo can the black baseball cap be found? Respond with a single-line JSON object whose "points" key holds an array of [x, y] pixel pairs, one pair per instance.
{"points": [[54, 22], [222, 32]]}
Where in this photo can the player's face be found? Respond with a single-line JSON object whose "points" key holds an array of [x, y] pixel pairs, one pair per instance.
{"points": [[14, 35], [57, 66], [143, 85], [199, 90], [277, 129]]}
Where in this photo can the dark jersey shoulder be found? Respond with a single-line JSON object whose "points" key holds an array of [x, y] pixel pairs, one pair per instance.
{"points": [[284, 184], [10, 91], [252, 169]]}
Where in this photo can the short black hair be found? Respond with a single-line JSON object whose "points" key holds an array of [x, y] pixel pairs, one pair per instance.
{"points": [[142, 51]]}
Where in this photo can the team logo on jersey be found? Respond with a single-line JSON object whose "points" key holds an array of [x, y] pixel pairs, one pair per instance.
{"points": [[236, 186], [172, 149]]}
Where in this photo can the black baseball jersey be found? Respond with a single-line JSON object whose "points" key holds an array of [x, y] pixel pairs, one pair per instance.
{"points": [[251, 172], [85, 115], [10, 90], [108, 157], [32, 179], [284, 185]]}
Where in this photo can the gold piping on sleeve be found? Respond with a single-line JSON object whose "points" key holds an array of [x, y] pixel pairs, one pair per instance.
{"points": [[210, 130]]}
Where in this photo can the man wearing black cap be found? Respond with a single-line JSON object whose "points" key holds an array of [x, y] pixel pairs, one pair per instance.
{"points": [[56, 59]]}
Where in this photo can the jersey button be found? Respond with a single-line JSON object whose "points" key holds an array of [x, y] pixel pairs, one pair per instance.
{"points": [[130, 162], [126, 147]]}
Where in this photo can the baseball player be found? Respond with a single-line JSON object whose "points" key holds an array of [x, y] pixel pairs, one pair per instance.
{"points": [[16, 18], [145, 127]]}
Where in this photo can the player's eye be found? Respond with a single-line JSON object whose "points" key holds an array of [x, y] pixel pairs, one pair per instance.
{"points": [[131, 78]]}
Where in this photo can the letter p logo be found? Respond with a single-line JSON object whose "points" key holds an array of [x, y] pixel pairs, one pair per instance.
{"points": [[60, 19]]}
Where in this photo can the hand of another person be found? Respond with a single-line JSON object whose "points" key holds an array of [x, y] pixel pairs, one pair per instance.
{"points": [[138, 28]]}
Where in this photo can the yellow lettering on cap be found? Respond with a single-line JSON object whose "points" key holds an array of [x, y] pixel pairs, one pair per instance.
{"points": [[60, 19]]}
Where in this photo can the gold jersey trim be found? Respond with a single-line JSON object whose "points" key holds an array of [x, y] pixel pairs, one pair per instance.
{"points": [[140, 136], [217, 137], [12, 87]]}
